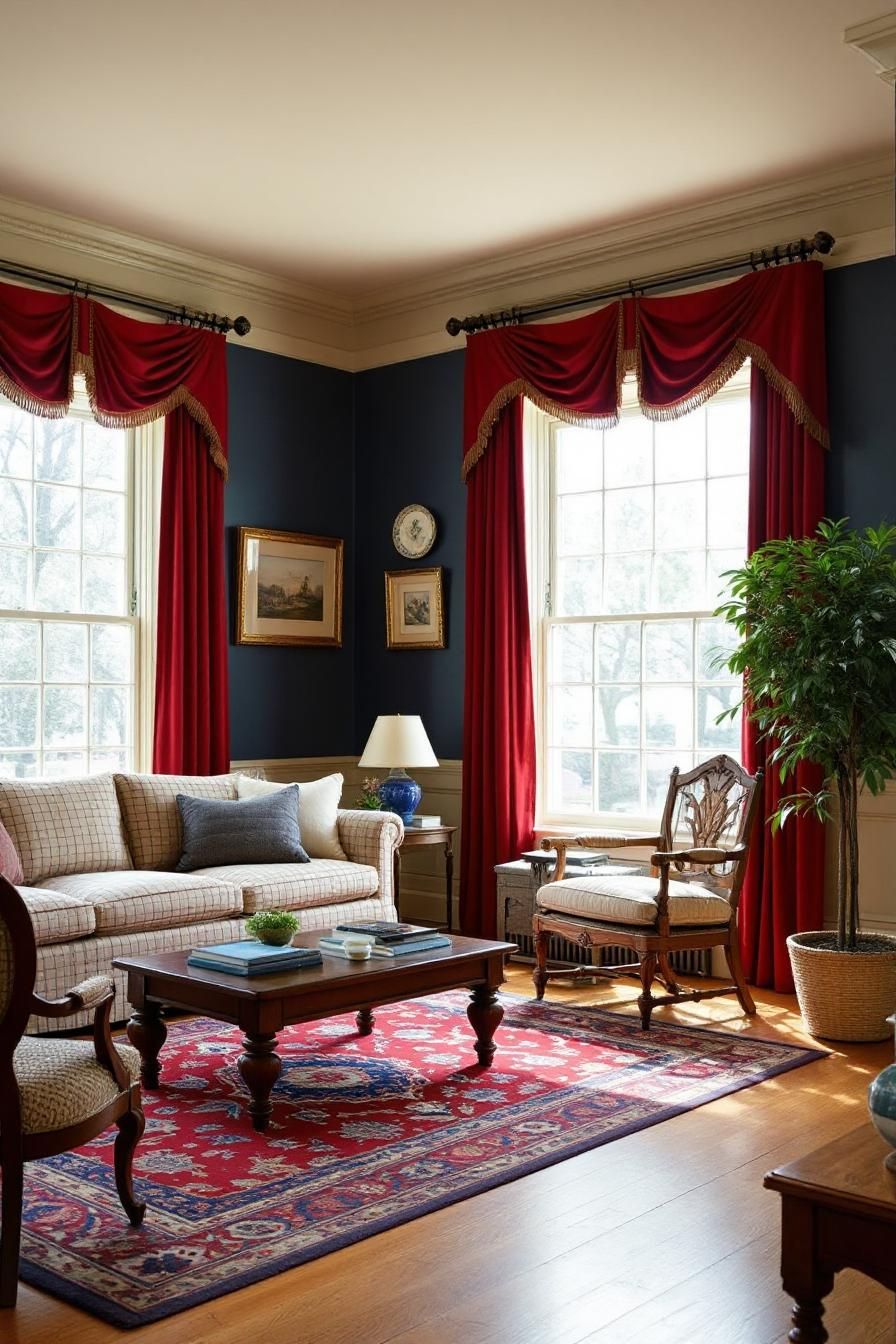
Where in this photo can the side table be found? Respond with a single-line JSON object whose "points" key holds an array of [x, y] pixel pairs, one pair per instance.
{"points": [[431, 835]]}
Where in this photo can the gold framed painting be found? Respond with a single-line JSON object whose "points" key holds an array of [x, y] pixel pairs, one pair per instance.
{"points": [[289, 588], [414, 615]]}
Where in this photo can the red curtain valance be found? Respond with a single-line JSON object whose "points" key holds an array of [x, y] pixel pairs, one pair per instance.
{"points": [[135, 371], [682, 348]]}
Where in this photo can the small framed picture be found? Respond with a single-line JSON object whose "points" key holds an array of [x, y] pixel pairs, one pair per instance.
{"points": [[414, 618], [289, 588]]}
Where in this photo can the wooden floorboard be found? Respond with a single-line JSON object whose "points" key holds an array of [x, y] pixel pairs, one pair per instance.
{"points": [[666, 1234]]}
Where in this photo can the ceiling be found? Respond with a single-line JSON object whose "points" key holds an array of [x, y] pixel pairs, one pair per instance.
{"points": [[356, 144]]}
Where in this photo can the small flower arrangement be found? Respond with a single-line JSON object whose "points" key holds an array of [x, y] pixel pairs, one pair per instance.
{"points": [[370, 795], [275, 927]]}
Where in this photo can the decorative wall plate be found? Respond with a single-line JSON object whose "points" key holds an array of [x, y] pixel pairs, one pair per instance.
{"points": [[414, 531]]}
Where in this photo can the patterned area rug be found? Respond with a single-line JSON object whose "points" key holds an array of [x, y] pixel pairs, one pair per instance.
{"points": [[366, 1133]]}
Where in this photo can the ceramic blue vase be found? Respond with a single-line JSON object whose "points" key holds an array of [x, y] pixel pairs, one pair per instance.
{"points": [[399, 793], [882, 1105]]}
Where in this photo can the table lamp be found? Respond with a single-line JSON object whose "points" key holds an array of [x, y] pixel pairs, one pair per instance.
{"points": [[398, 741]]}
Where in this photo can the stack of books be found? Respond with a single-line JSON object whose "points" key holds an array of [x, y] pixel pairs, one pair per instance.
{"points": [[421, 821], [387, 938], [253, 958]]}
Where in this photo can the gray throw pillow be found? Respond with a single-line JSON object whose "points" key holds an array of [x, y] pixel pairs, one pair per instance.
{"points": [[259, 830]]}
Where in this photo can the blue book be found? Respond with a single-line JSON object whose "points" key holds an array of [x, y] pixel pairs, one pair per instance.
{"points": [[205, 964], [249, 954], [406, 949]]}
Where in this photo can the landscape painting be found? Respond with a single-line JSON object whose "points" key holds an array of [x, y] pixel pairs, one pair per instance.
{"points": [[289, 588], [414, 616]]}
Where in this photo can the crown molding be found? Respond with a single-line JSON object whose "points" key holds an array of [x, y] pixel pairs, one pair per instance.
{"points": [[407, 321], [876, 39]]}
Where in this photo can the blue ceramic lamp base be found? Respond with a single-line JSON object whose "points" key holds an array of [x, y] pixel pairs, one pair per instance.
{"points": [[399, 793]]}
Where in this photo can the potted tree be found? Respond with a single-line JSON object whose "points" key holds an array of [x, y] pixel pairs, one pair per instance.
{"points": [[817, 623]]}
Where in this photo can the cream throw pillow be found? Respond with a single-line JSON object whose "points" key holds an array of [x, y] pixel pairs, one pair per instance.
{"points": [[318, 805]]}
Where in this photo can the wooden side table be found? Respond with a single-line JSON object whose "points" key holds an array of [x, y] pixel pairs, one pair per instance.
{"points": [[433, 835], [838, 1211]]}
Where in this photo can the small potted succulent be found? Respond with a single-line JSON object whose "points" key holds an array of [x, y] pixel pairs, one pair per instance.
{"points": [[275, 927]]}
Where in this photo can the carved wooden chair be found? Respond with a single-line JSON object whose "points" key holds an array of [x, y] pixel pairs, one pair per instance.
{"points": [[55, 1094], [690, 902]]}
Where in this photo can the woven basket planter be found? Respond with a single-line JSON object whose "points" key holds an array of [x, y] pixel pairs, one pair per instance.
{"points": [[843, 996]]}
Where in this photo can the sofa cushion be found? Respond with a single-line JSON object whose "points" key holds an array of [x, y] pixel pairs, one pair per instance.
{"points": [[151, 817], [632, 900], [131, 901], [56, 917], [257, 830], [318, 811], [291, 886], [64, 826]]}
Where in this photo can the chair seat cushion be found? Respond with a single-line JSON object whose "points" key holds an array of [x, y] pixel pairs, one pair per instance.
{"points": [[61, 1083], [136, 901], [57, 918], [632, 900], [290, 886]]}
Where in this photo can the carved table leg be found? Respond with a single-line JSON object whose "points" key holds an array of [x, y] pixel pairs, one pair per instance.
{"points": [[804, 1280], [259, 1067], [807, 1324], [147, 1033], [364, 1020], [485, 1014]]}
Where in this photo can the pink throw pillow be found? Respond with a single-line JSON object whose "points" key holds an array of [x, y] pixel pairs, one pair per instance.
{"points": [[10, 863]]}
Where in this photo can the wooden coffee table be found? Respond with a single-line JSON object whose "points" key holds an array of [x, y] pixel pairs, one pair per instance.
{"points": [[263, 1005]]}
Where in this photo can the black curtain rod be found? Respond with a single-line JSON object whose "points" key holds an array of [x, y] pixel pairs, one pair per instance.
{"points": [[187, 317], [800, 250]]}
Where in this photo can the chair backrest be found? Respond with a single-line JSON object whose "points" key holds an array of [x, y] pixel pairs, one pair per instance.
{"points": [[18, 969], [712, 805]]}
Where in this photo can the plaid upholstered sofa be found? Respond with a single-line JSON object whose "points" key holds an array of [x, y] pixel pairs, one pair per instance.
{"points": [[98, 858]]}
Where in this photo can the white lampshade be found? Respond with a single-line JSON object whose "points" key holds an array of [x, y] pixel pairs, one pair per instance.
{"points": [[398, 740]]}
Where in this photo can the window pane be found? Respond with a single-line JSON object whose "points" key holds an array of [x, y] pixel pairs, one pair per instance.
{"points": [[65, 716], [628, 518], [15, 441], [65, 764], [627, 583], [716, 640], [19, 765], [56, 581], [110, 653], [659, 767], [680, 448], [711, 702], [728, 433], [109, 716], [668, 716], [104, 522], [15, 511], [628, 452], [571, 653], [103, 586], [65, 652], [619, 651], [668, 654], [618, 782], [681, 516], [678, 581], [572, 716], [579, 459], [718, 564], [105, 457], [570, 781], [19, 651], [580, 524], [19, 707], [57, 517], [580, 583], [103, 761], [15, 579], [57, 450], [726, 510], [618, 710]]}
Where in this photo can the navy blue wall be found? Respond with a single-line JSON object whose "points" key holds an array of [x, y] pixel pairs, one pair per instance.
{"points": [[291, 467], [408, 451], [861, 327]]}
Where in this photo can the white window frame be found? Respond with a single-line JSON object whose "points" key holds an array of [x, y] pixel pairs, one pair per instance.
{"points": [[539, 430], [145, 446]]}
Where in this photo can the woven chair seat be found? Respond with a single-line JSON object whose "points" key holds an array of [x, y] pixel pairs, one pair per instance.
{"points": [[61, 1083], [632, 901]]}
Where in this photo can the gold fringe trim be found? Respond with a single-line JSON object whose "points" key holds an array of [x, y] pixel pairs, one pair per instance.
{"points": [[521, 388], [791, 394], [181, 396]]}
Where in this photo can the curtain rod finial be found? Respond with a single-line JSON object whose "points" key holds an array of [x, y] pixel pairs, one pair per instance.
{"points": [[823, 242], [242, 326]]}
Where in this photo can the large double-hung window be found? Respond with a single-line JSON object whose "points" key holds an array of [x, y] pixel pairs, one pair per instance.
{"points": [[630, 531], [70, 618]]}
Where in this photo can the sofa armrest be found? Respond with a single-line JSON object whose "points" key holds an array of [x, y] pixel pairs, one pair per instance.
{"points": [[372, 837]]}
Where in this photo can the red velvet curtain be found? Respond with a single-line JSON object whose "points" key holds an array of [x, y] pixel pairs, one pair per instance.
{"points": [[499, 728], [784, 887], [137, 372], [683, 349]]}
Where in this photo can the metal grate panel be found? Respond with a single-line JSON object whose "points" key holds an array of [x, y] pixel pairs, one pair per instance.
{"points": [[695, 961]]}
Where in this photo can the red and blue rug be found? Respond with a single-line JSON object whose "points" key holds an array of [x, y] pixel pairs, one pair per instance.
{"points": [[367, 1132]]}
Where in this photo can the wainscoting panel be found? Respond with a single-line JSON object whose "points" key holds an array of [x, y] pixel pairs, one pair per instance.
{"points": [[877, 845]]}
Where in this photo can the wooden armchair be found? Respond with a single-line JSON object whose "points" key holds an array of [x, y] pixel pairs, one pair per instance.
{"points": [[55, 1094], [690, 902]]}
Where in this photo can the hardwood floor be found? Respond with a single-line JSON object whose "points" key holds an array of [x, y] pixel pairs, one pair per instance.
{"points": [[664, 1235]]}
